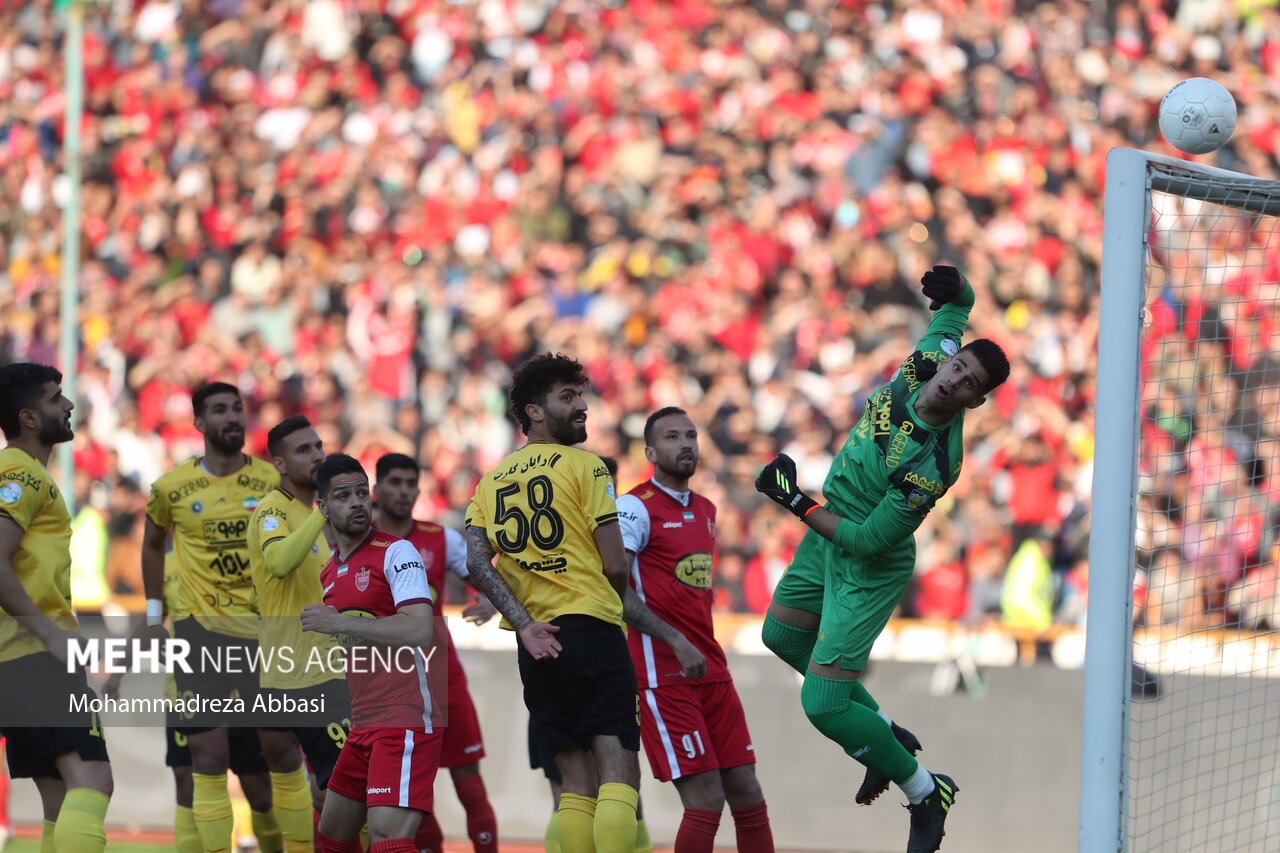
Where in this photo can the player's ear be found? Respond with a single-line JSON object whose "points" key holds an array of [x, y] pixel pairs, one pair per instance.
{"points": [[973, 404], [534, 411], [323, 507], [650, 454]]}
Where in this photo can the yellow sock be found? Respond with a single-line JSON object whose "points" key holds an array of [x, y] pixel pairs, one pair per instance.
{"points": [[614, 828], [643, 844], [46, 838], [577, 817], [211, 808], [79, 826], [267, 832], [364, 837], [186, 839], [291, 802], [551, 841]]}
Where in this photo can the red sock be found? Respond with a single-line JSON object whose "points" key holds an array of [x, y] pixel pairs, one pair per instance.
{"points": [[429, 836], [395, 845], [325, 844], [752, 826], [482, 823], [697, 831]]}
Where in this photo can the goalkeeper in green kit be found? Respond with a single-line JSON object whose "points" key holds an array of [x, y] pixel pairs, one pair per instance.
{"points": [[852, 567]]}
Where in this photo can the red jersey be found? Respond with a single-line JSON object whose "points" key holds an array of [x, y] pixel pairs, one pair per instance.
{"points": [[673, 542], [388, 687], [442, 549]]}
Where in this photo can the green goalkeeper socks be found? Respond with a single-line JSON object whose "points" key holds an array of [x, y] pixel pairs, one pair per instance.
{"points": [[860, 731], [793, 645]]}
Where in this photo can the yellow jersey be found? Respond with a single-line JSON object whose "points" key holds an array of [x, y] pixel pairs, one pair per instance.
{"points": [[539, 509], [42, 562], [210, 520], [286, 648]]}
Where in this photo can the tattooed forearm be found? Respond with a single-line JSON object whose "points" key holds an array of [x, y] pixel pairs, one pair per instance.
{"points": [[480, 556], [636, 614]]}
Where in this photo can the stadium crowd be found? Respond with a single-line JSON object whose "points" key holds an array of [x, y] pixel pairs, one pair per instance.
{"points": [[367, 211]]}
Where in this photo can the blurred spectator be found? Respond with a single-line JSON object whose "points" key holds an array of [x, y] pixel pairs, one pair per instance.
{"points": [[370, 211]]}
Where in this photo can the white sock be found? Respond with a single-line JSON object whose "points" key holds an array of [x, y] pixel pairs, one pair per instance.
{"points": [[919, 786], [884, 716]]}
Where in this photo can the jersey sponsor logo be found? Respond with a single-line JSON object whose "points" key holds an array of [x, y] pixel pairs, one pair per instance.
{"points": [[899, 443], [246, 481], [924, 484], [362, 579], [270, 523], [380, 543], [668, 525], [917, 500], [695, 570], [949, 346], [600, 471], [908, 373], [629, 516], [557, 565], [229, 564], [610, 491], [226, 532], [409, 564], [378, 791], [328, 588], [646, 494], [197, 507], [188, 489], [10, 493], [882, 400]]}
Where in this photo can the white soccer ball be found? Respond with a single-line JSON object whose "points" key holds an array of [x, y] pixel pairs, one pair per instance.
{"points": [[1198, 116]]}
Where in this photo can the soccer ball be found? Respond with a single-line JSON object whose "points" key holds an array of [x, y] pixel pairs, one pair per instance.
{"points": [[1198, 116]]}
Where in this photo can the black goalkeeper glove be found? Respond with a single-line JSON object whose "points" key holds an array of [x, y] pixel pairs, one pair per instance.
{"points": [[942, 285], [778, 481]]}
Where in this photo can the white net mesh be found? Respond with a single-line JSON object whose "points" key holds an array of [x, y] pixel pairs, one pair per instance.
{"points": [[1205, 720]]}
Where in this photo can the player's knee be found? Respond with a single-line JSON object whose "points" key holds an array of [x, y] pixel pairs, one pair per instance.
{"points": [[702, 791], [742, 787]]}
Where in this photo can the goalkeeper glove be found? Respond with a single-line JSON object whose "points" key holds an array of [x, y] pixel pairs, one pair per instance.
{"points": [[942, 285], [778, 482]]}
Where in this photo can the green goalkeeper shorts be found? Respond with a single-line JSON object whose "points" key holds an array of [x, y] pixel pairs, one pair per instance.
{"points": [[858, 599], [801, 585]]}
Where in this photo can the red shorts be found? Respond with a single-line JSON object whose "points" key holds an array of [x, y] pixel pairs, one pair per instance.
{"points": [[463, 743], [388, 767], [694, 728]]}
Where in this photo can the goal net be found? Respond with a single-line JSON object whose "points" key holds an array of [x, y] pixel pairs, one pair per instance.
{"points": [[1182, 714]]}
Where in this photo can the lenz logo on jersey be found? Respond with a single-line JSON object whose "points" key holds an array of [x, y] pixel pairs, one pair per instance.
{"points": [[695, 570], [409, 564]]}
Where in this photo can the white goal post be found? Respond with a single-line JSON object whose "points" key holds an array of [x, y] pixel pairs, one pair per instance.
{"points": [[1133, 179]]}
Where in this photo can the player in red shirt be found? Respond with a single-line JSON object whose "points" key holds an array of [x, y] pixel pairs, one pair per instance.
{"points": [[691, 720], [442, 549], [378, 602]]}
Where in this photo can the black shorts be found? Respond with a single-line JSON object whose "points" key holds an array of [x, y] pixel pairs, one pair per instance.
{"points": [[539, 758], [36, 688], [323, 738], [234, 676], [246, 750], [589, 690]]}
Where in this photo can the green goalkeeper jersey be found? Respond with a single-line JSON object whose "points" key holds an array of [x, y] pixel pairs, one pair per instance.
{"points": [[893, 468]]}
